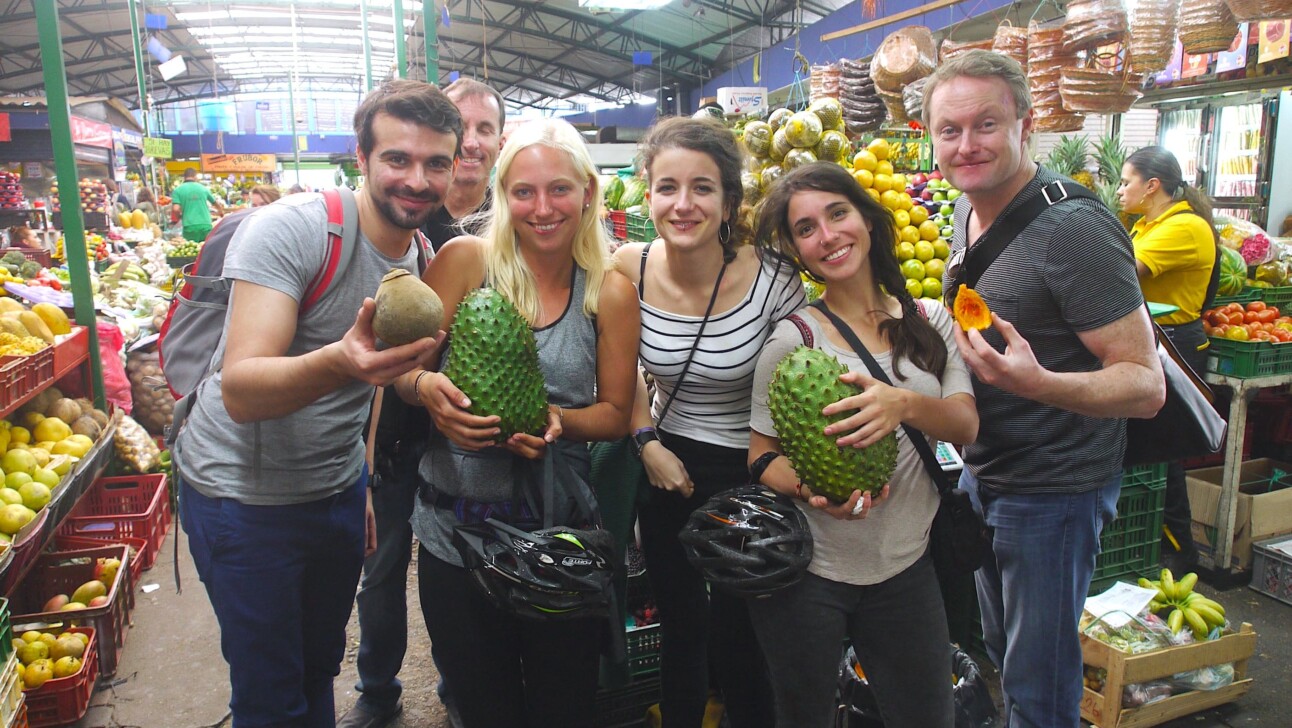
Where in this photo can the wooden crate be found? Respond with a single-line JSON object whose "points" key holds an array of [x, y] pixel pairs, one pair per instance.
{"points": [[1104, 709]]}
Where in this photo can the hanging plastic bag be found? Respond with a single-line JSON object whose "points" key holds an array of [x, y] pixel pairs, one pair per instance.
{"points": [[116, 386]]}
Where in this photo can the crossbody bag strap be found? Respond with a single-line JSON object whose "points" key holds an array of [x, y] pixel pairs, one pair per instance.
{"points": [[690, 356], [979, 256], [915, 436]]}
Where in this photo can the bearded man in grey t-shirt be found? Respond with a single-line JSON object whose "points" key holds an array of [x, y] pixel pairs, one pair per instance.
{"points": [[273, 493], [1068, 357]]}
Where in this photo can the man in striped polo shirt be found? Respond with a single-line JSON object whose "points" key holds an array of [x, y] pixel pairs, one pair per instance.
{"points": [[1068, 357]]}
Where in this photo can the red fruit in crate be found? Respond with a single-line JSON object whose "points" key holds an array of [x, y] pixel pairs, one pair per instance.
{"points": [[97, 602], [55, 603]]}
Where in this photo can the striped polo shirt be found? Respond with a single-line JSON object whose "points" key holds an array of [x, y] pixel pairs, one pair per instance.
{"points": [[1071, 270], [713, 403]]}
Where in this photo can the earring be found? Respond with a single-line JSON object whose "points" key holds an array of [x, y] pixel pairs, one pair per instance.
{"points": [[724, 233]]}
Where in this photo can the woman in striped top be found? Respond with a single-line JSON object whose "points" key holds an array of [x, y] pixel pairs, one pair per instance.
{"points": [[708, 301]]}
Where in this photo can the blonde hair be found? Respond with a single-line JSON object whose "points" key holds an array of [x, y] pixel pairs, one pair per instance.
{"points": [[506, 268]]}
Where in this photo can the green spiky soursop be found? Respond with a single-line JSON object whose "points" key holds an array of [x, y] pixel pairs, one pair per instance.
{"points": [[804, 382], [493, 359]]}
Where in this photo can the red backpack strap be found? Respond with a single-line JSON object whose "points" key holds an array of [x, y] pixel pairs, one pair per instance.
{"points": [[803, 328], [342, 234], [919, 306]]}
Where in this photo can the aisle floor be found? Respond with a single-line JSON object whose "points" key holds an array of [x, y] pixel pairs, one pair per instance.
{"points": [[172, 675]]}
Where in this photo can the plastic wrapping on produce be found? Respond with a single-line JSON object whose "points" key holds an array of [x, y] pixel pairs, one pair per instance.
{"points": [[904, 56], [135, 448], [1153, 25], [1247, 238], [1092, 23], [1135, 696], [1206, 26], [153, 402], [913, 98], [116, 386], [951, 48], [1011, 41]]}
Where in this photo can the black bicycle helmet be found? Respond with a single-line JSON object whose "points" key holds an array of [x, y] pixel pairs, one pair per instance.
{"points": [[551, 573], [749, 541]]}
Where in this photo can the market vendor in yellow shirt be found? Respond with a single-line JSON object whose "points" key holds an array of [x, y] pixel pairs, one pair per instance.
{"points": [[1176, 256]]}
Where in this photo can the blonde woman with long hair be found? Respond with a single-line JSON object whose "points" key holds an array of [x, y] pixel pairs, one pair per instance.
{"points": [[545, 250]]}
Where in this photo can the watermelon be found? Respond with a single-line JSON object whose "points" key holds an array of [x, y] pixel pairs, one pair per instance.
{"points": [[1233, 272], [634, 193], [614, 190]]}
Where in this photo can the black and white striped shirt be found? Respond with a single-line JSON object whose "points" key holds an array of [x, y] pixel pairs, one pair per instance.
{"points": [[713, 403], [1071, 270]]}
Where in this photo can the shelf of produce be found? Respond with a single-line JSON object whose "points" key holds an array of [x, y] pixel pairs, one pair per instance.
{"points": [[23, 378], [1227, 514]]}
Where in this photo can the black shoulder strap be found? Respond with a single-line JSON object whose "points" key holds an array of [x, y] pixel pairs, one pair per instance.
{"points": [[641, 277], [980, 256], [915, 436]]}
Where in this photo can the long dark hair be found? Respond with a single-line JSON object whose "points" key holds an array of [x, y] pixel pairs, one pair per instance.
{"points": [[911, 336], [1160, 164], [711, 138]]}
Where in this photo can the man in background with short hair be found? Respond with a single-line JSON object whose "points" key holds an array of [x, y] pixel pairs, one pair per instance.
{"points": [[193, 201]]}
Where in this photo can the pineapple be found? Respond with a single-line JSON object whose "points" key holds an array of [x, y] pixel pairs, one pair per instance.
{"points": [[1110, 155], [1068, 158]]}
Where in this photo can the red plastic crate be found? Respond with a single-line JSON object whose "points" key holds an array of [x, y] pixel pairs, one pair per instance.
{"points": [[137, 506], [71, 351], [79, 543], [619, 224], [26, 547], [64, 700], [62, 573]]}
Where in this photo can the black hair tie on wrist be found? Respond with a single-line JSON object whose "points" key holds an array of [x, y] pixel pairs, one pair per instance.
{"points": [[760, 465]]}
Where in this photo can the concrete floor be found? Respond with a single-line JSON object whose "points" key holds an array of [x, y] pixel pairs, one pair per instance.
{"points": [[172, 675]]}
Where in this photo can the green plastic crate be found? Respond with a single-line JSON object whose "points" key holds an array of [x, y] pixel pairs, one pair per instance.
{"points": [[641, 229], [1247, 359], [1280, 296], [1133, 543], [643, 650], [1247, 295]]}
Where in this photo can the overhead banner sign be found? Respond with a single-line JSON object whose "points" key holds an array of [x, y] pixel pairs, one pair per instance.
{"points": [[132, 138], [91, 133], [1273, 44], [157, 148], [225, 163]]}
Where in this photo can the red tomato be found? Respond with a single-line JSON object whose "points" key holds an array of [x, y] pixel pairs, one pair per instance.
{"points": [[1256, 306], [1262, 336], [1235, 318], [1249, 317], [1267, 316], [1232, 307], [1281, 336]]}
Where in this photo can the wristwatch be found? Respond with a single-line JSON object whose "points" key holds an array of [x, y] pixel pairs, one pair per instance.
{"points": [[641, 437]]}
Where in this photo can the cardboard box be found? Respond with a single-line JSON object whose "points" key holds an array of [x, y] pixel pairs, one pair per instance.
{"points": [[1264, 507], [1104, 708], [743, 100]]}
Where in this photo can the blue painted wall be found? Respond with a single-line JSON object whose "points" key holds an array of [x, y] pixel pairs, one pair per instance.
{"points": [[188, 145]]}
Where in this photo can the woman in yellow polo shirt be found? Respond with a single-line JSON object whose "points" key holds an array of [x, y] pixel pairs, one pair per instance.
{"points": [[1176, 257]]}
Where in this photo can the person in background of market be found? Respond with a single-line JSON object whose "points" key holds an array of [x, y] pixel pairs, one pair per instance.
{"points": [[401, 438], [21, 236], [483, 116], [693, 167], [870, 581], [120, 201], [296, 189], [144, 203], [244, 198], [262, 195], [545, 251], [1176, 250], [1069, 356], [273, 476], [193, 201]]}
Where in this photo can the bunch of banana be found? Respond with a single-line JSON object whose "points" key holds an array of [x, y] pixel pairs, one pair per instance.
{"points": [[1185, 606]]}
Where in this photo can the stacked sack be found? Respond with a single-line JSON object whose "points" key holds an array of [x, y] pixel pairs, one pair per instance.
{"points": [[863, 110], [824, 81]]}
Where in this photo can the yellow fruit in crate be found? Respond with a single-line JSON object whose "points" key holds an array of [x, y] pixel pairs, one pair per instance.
{"points": [[67, 666], [889, 199], [923, 249], [61, 464], [932, 288], [18, 461], [16, 481], [883, 183], [70, 447], [9, 496], [37, 674], [31, 419], [29, 636], [929, 230], [35, 495], [54, 318], [932, 268], [907, 204], [911, 235], [83, 440], [48, 477], [52, 429], [864, 178], [905, 251], [914, 288], [20, 435], [941, 249], [879, 148], [874, 193], [83, 637], [899, 182], [37, 649], [901, 218], [919, 213], [884, 167], [66, 646]]}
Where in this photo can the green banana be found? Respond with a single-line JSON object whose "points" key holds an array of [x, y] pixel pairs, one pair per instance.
{"points": [[1175, 620]]}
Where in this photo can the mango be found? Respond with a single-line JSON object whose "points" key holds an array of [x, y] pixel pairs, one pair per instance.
{"points": [[89, 590]]}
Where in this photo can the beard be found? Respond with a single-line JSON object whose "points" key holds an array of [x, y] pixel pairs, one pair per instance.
{"points": [[402, 218]]}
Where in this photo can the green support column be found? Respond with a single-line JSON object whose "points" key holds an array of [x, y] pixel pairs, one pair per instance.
{"points": [[367, 45], [401, 55], [139, 64], [291, 100], [430, 32], [69, 195]]}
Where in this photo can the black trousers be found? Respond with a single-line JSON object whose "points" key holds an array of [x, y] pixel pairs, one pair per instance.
{"points": [[700, 627]]}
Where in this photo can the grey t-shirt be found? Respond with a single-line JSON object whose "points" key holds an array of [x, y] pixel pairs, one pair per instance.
{"points": [[316, 451], [895, 534], [567, 356], [1071, 270]]}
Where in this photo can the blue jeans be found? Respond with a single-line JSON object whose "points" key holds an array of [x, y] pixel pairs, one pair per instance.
{"points": [[383, 593], [281, 580], [1031, 589], [897, 627]]}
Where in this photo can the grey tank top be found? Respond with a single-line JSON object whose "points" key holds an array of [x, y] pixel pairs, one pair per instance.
{"points": [[567, 355]]}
